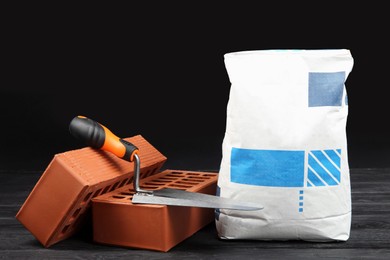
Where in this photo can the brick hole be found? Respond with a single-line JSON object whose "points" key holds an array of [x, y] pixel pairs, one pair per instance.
{"points": [[65, 229], [187, 182], [153, 170], [130, 180], [210, 175], [96, 193], [180, 185], [118, 197], [168, 178], [150, 187], [77, 221], [114, 186], [75, 214], [198, 178], [161, 181], [175, 173], [105, 189], [192, 179], [123, 183], [86, 198], [174, 176], [191, 173], [152, 184]]}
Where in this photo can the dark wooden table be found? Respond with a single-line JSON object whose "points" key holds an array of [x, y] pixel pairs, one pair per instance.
{"points": [[369, 238]]}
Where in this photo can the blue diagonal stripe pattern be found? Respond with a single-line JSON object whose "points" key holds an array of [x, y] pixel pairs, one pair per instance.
{"points": [[324, 167]]}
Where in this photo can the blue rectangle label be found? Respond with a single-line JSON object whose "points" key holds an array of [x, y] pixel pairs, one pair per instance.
{"points": [[326, 88], [278, 168]]}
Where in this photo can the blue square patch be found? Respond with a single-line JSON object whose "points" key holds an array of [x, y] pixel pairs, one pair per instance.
{"points": [[326, 88]]}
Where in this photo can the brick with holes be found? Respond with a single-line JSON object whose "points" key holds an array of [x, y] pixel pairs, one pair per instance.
{"points": [[117, 221], [59, 203]]}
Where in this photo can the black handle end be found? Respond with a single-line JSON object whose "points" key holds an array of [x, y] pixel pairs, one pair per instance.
{"points": [[88, 131]]}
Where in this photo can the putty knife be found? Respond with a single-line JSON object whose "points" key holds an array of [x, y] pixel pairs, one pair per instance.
{"points": [[98, 136]]}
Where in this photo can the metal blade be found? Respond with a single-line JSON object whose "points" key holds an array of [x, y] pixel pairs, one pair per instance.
{"points": [[175, 197]]}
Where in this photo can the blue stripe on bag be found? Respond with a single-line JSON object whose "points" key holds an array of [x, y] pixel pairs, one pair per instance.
{"points": [[267, 167]]}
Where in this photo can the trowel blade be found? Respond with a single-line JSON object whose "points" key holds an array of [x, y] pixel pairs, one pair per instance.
{"points": [[175, 197]]}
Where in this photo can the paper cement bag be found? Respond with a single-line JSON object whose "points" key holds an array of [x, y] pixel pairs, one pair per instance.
{"points": [[285, 145]]}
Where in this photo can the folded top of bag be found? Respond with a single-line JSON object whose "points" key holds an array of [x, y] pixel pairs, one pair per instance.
{"points": [[318, 52]]}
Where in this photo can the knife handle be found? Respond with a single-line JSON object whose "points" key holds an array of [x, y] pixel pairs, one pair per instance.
{"points": [[98, 136]]}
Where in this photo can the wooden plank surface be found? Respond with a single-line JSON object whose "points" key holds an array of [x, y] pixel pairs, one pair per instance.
{"points": [[369, 239]]}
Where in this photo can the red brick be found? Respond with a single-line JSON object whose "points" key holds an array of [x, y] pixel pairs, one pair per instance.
{"points": [[58, 204], [116, 221]]}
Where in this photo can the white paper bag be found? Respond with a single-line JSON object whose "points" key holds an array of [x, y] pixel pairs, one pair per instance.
{"points": [[285, 145]]}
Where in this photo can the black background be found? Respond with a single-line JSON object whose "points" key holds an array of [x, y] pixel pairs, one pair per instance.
{"points": [[158, 70]]}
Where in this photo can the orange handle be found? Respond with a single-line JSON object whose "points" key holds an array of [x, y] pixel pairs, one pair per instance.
{"points": [[100, 137]]}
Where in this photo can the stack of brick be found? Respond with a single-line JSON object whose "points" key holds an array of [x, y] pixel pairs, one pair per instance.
{"points": [[88, 180]]}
